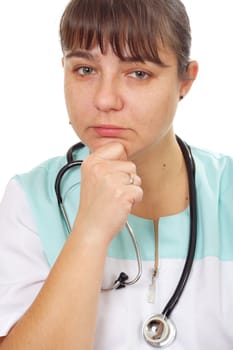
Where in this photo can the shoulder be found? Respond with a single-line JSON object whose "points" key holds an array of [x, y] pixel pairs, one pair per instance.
{"points": [[212, 159], [38, 186], [214, 173], [43, 176], [216, 168]]}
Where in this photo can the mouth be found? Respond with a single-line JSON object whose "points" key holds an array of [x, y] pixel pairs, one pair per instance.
{"points": [[108, 130]]}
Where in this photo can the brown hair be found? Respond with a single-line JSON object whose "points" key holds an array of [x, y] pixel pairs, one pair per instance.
{"points": [[139, 26]]}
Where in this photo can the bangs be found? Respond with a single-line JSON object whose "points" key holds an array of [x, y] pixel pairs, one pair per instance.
{"points": [[128, 26]]}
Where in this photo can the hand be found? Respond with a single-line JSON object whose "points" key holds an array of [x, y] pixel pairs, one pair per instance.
{"points": [[107, 191]]}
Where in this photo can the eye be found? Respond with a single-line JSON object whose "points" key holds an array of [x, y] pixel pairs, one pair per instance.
{"points": [[85, 70], [139, 74]]}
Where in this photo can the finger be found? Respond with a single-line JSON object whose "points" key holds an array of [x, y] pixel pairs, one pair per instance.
{"points": [[134, 179], [121, 166], [111, 151], [134, 194], [125, 178], [117, 179]]}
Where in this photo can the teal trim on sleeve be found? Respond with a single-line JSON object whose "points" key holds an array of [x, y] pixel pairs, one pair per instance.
{"points": [[39, 185]]}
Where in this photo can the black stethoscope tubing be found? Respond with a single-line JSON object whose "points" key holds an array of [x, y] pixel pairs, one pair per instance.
{"points": [[71, 163], [190, 166]]}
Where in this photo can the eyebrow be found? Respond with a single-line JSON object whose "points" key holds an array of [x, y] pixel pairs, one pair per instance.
{"points": [[81, 54], [89, 56]]}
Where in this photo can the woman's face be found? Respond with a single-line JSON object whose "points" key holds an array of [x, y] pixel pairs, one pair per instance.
{"points": [[109, 100]]}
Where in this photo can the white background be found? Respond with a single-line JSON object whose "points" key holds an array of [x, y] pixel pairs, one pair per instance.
{"points": [[33, 119]]}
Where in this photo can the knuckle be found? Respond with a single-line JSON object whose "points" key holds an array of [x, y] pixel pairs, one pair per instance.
{"points": [[137, 194], [140, 192], [119, 147], [137, 180], [133, 167], [99, 169], [93, 168]]}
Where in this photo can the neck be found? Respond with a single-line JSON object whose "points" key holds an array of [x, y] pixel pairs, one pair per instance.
{"points": [[164, 180]]}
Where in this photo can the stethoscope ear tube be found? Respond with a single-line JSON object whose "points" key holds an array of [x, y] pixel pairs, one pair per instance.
{"points": [[60, 175], [158, 330], [190, 166], [71, 150], [70, 164]]}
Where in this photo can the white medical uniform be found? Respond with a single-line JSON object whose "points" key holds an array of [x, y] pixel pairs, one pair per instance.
{"points": [[32, 234]]}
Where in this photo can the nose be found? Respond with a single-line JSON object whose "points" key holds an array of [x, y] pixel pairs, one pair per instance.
{"points": [[108, 95]]}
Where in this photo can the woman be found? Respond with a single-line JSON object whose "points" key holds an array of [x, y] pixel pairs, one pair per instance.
{"points": [[126, 67]]}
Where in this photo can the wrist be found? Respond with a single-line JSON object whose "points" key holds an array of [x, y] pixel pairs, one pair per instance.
{"points": [[91, 236]]}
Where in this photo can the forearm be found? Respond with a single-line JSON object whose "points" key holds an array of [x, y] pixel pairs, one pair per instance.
{"points": [[63, 315]]}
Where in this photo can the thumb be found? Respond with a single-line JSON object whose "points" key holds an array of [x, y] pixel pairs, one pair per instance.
{"points": [[111, 151]]}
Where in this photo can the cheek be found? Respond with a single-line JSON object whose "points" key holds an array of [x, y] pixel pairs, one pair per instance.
{"points": [[75, 101], [68, 92], [170, 106], [156, 113], [165, 100], [151, 108]]}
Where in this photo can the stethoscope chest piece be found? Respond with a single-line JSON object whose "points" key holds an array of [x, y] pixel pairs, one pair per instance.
{"points": [[159, 331]]}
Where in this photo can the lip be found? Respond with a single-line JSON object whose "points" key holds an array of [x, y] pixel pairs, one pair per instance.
{"points": [[108, 130]]}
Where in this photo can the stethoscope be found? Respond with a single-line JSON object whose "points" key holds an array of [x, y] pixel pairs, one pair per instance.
{"points": [[158, 330]]}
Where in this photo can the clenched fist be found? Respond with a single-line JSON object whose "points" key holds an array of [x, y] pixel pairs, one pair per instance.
{"points": [[109, 188]]}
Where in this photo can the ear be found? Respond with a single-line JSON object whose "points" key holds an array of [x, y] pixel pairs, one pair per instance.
{"points": [[188, 79]]}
